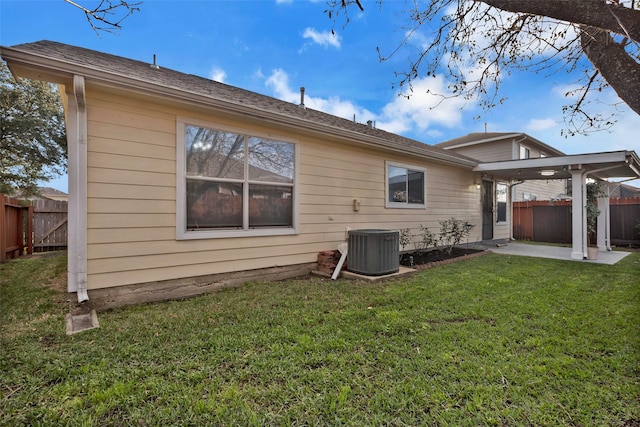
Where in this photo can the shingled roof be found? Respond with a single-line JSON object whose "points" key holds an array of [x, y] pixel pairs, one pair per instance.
{"points": [[481, 138], [60, 59]]}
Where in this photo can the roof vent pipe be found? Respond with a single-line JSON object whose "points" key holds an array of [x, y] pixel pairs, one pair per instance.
{"points": [[302, 97], [154, 65]]}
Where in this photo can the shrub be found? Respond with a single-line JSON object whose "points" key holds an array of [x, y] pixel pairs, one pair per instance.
{"points": [[405, 238], [427, 240], [452, 231]]}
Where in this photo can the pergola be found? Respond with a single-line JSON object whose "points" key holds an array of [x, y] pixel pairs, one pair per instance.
{"points": [[579, 167]]}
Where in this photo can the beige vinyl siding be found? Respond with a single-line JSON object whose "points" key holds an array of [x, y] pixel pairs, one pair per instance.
{"points": [[132, 189], [489, 151], [542, 189]]}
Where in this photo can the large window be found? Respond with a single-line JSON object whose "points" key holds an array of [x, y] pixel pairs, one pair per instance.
{"points": [[234, 183], [405, 186], [501, 202]]}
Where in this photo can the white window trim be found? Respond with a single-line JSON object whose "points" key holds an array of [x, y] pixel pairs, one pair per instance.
{"points": [[506, 221], [181, 186], [396, 205]]}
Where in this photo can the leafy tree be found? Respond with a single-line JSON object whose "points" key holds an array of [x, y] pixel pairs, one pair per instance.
{"points": [[33, 144], [478, 43], [107, 15]]}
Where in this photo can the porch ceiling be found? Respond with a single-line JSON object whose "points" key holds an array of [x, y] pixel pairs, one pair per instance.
{"points": [[615, 164]]}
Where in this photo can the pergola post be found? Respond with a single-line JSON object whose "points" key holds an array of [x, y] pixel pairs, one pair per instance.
{"points": [[604, 224], [579, 214]]}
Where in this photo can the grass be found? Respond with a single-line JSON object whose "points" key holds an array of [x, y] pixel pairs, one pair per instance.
{"points": [[494, 340]]}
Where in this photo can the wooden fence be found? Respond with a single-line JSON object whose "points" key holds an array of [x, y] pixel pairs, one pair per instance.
{"points": [[49, 225], [15, 228], [549, 221], [24, 229]]}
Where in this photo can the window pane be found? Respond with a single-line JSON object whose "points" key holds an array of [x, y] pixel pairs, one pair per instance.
{"points": [[270, 205], [501, 198], [213, 205], [416, 187], [213, 153], [397, 184], [270, 160]]}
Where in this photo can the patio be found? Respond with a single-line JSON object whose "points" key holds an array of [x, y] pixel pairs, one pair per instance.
{"points": [[556, 252]]}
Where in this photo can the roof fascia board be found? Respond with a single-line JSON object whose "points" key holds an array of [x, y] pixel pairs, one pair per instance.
{"points": [[577, 159], [65, 70], [508, 136], [546, 147], [483, 141]]}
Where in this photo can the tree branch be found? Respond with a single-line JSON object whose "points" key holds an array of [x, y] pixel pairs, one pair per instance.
{"points": [[613, 62], [103, 12], [594, 13]]}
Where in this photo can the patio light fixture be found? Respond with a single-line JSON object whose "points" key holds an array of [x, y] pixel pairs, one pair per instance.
{"points": [[549, 172]]}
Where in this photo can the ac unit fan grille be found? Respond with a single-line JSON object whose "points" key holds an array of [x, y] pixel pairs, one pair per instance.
{"points": [[374, 252]]}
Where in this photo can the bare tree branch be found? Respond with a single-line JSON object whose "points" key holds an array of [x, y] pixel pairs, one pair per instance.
{"points": [[475, 44], [108, 15], [601, 14], [612, 61]]}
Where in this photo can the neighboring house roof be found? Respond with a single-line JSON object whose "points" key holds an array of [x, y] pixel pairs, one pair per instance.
{"points": [[482, 138], [47, 193], [621, 191], [58, 62]]}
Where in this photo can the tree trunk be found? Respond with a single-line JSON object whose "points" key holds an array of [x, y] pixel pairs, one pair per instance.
{"points": [[620, 70], [594, 13]]}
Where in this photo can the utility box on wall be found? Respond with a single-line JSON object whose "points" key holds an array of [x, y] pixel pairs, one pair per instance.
{"points": [[374, 252]]}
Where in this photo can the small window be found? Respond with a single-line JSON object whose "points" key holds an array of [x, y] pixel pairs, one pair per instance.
{"points": [[405, 186], [233, 183], [501, 202], [525, 153]]}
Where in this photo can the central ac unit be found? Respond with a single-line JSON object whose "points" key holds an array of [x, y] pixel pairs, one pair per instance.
{"points": [[374, 252]]}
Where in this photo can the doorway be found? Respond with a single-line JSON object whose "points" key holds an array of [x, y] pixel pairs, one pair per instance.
{"points": [[487, 210]]}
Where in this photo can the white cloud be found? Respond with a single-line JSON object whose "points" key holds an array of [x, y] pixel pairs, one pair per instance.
{"points": [[423, 109], [538, 125], [420, 113], [323, 38], [284, 1], [218, 74], [278, 82]]}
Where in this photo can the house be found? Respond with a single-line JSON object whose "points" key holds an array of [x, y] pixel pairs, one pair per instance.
{"points": [[179, 185], [619, 190], [503, 146], [280, 182], [48, 193]]}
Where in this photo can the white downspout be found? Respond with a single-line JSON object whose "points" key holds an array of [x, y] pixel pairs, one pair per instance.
{"points": [[512, 197], [604, 224], [603, 236], [77, 217], [578, 215]]}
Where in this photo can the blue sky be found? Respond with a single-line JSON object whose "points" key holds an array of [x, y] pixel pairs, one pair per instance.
{"points": [[274, 47]]}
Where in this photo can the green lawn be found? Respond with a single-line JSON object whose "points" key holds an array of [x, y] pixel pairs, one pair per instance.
{"points": [[495, 340]]}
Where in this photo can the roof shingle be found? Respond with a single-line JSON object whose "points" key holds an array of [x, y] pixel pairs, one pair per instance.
{"points": [[96, 65]]}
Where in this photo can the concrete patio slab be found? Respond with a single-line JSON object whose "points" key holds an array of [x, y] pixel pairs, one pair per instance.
{"points": [[555, 252], [81, 322]]}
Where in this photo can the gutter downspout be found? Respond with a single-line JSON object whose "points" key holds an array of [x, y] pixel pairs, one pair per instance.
{"points": [[603, 237], [77, 148], [579, 213], [511, 199], [578, 204]]}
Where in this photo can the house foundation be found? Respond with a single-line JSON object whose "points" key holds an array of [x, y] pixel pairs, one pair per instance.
{"points": [[166, 290]]}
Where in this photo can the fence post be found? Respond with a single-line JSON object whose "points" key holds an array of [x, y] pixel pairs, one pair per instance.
{"points": [[3, 229], [29, 230]]}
